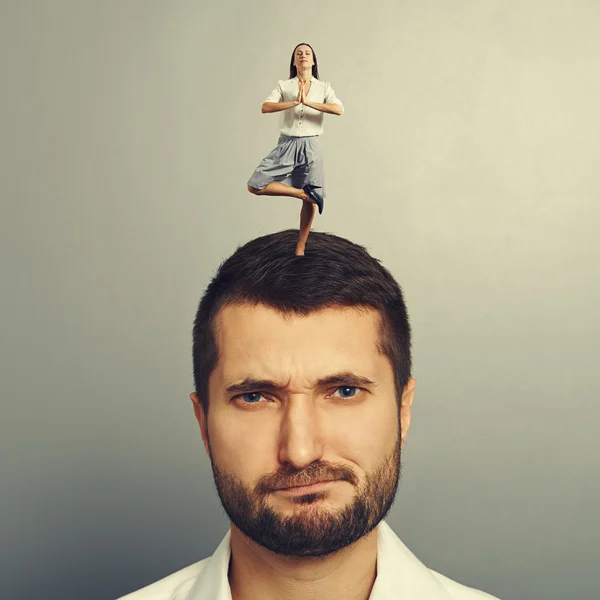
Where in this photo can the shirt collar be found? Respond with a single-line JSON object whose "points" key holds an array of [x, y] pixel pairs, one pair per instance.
{"points": [[212, 582], [400, 574]]}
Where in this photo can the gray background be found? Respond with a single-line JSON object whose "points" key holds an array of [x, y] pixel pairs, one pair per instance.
{"points": [[467, 160]]}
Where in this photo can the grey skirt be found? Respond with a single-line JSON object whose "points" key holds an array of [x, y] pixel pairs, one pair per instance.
{"points": [[295, 161]]}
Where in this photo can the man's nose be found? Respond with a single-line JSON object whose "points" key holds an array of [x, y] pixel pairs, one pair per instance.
{"points": [[301, 441]]}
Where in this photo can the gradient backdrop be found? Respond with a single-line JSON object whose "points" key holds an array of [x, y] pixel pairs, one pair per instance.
{"points": [[467, 161]]}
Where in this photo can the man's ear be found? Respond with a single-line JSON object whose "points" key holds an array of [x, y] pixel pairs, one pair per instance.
{"points": [[408, 395], [201, 418]]}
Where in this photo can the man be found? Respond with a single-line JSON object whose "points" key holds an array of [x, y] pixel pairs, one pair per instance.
{"points": [[303, 395]]}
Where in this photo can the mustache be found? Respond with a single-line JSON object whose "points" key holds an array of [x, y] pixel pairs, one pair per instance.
{"points": [[288, 477]]}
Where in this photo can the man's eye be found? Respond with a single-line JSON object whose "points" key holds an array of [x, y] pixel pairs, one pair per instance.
{"points": [[347, 391], [250, 397]]}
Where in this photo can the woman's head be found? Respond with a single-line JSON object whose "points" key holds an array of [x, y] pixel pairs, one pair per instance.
{"points": [[303, 56]]}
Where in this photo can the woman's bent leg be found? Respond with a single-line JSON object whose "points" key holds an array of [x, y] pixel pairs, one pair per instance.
{"points": [[280, 189]]}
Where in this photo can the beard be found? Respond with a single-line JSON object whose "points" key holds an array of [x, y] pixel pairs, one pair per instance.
{"points": [[315, 531]]}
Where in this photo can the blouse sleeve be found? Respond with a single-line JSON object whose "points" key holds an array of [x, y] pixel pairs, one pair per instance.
{"points": [[331, 98], [276, 95]]}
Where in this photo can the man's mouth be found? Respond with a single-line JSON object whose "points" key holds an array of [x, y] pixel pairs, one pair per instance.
{"points": [[311, 488]]}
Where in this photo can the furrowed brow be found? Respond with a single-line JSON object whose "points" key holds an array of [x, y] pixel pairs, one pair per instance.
{"points": [[251, 385], [346, 378]]}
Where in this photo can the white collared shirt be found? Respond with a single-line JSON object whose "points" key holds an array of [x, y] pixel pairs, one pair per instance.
{"points": [[301, 120], [400, 576]]}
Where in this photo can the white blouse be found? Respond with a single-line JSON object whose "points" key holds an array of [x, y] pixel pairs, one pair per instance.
{"points": [[300, 120]]}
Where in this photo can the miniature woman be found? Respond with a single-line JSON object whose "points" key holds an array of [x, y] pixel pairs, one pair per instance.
{"points": [[295, 166]]}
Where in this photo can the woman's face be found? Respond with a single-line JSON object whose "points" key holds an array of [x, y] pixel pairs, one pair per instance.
{"points": [[303, 57]]}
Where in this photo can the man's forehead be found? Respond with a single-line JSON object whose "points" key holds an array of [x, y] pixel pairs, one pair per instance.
{"points": [[259, 340], [251, 319]]}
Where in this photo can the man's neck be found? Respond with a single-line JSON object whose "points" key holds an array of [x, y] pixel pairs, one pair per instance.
{"points": [[255, 572]]}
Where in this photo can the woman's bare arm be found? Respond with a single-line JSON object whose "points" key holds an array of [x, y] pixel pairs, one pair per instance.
{"points": [[332, 109], [271, 107]]}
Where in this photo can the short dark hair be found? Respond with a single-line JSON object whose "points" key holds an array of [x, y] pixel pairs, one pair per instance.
{"points": [[333, 272], [315, 67]]}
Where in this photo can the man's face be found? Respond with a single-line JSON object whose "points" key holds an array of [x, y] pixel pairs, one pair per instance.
{"points": [[303, 426]]}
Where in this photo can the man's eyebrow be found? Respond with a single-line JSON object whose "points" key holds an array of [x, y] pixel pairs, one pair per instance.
{"points": [[348, 378], [251, 385]]}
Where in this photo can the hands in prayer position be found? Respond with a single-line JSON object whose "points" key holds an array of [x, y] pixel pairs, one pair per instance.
{"points": [[303, 87]]}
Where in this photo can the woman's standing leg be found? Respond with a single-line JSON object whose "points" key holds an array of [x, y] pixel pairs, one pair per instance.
{"points": [[310, 172], [307, 215]]}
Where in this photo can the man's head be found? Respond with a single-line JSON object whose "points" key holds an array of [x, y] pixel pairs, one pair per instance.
{"points": [[302, 375]]}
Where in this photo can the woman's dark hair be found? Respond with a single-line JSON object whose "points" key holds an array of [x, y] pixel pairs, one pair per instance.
{"points": [[333, 272], [315, 67]]}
